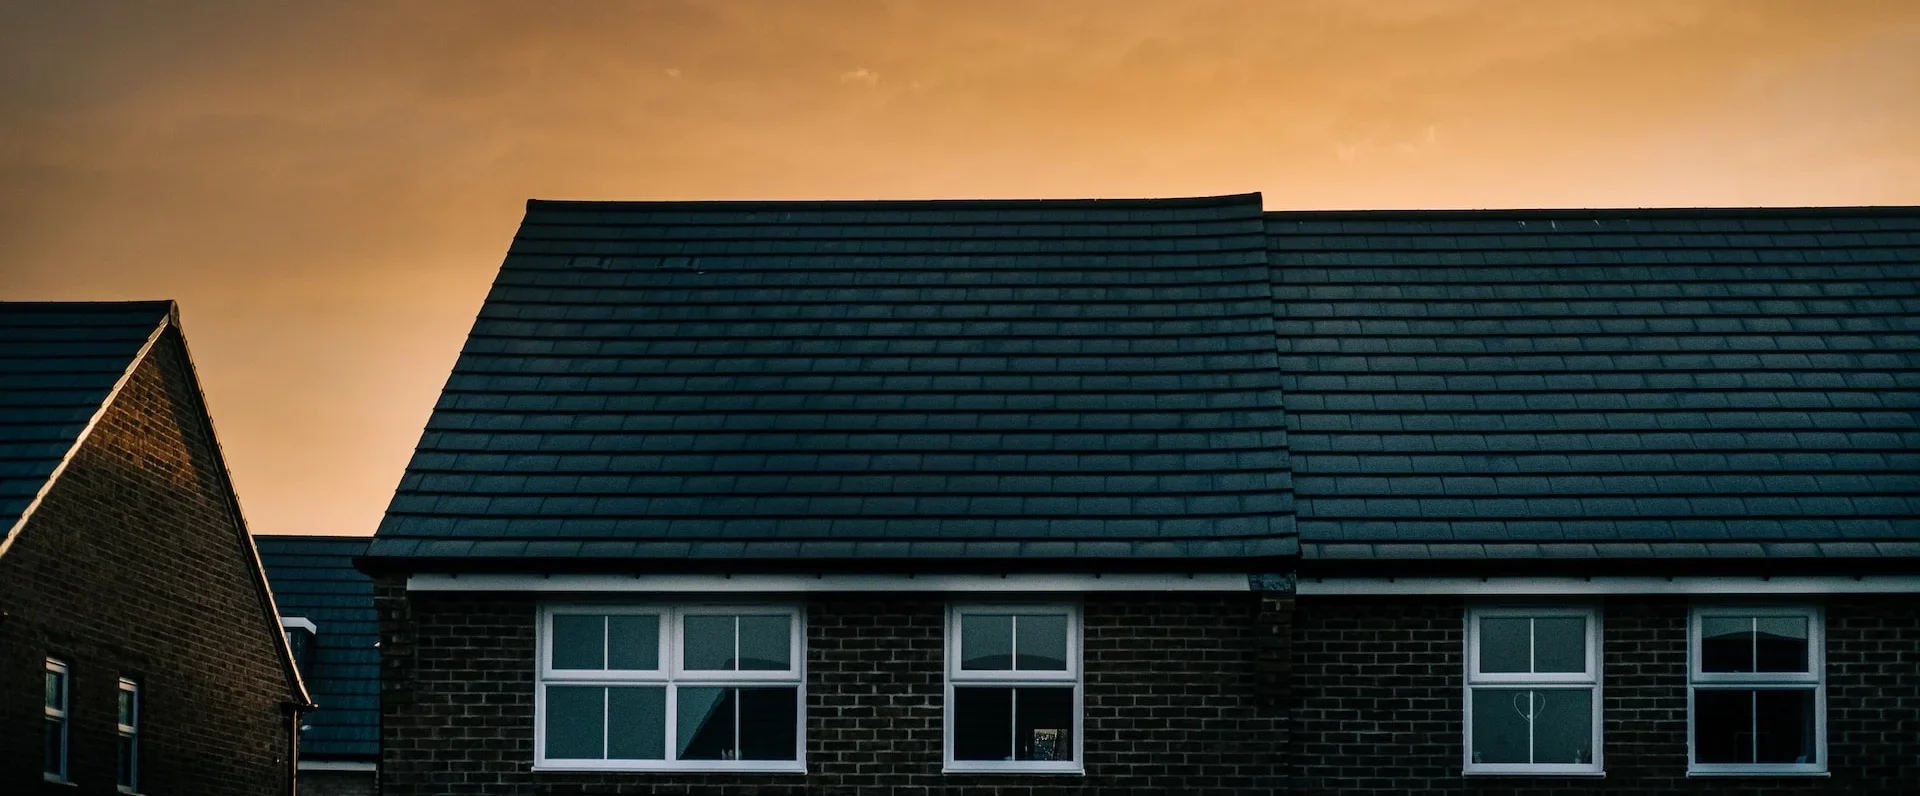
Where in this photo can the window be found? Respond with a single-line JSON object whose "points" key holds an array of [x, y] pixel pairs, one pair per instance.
{"points": [[1013, 688], [1758, 700], [129, 735], [57, 688], [300, 632], [714, 688], [1533, 691]]}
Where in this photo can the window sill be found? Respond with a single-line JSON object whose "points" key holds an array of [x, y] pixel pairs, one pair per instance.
{"points": [[1056, 770], [1766, 773], [61, 781], [783, 768], [1546, 773]]}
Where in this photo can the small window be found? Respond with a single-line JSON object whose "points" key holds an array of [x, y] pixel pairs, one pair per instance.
{"points": [[1758, 691], [129, 725], [54, 758], [658, 688], [1533, 691], [1013, 689]]}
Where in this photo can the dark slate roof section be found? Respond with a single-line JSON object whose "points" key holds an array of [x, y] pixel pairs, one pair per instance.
{"points": [[313, 577], [1070, 380], [1602, 384], [59, 361]]}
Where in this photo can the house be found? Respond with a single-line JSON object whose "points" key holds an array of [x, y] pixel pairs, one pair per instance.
{"points": [[326, 608], [139, 648], [1166, 496]]}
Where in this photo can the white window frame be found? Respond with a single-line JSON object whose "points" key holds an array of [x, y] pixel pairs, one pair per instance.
{"points": [[1814, 679], [130, 732], [1588, 679], [57, 666], [672, 674], [1073, 675]]}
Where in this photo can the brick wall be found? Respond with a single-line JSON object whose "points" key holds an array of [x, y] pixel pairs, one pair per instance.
{"points": [[1176, 701], [132, 567], [1377, 699]]}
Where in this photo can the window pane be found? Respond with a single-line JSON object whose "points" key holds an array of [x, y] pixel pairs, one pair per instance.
{"points": [[637, 723], [1560, 644], [1042, 642], [633, 642], [766, 643], [705, 718], [709, 643], [576, 722], [769, 719], [1563, 726], [1726, 644], [126, 707], [986, 642], [1785, 723], [1503, 644], [983, 724], [1781, 644], [55, 748], [126, 762], [1043, 725], [1500, 725], [56, 690], [1722, 726], [579, 642]]}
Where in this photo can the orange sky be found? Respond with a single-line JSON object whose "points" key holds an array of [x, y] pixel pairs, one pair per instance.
{"points": [[328, 188]]}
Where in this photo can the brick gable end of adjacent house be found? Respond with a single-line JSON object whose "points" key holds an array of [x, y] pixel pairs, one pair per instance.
{"points": [[132, 566]]}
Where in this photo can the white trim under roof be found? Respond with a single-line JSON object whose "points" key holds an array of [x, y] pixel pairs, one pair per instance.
{"points": [[1812, 584], [337, 765], [1146, 582], [300, 622]]}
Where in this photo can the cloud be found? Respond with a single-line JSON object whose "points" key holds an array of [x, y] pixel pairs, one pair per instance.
{"points": [[860, 77]]}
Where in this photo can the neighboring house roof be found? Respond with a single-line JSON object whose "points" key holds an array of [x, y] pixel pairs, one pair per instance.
{"points": [[1602, 384], [1035, 380], [313, 578], [59, 363]]}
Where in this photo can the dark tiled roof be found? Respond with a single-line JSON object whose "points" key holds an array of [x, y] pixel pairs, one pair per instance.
{"points": [[1668, 383], [313, 577], [58, 362], [928, 380]]}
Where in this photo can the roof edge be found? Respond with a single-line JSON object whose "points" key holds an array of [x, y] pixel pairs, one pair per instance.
{"points": [[892, 204], [1871, 211]]}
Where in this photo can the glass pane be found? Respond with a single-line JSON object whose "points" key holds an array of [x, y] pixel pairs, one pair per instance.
{"points": [[55, 748], [126, 762], [56, 691], [769, 723], [126, 707], [1563, 726], [1560, 644], [1784, 720], [1780, 645], [709, 643], [579, 642], [637, 723], [1500, 725], [1042, 643], [706, 723], [982, 723], [986, 642], [1043, 723], [633, 642], [1726, 644], [1722, 726], [576, 722], [766, 644], [1503, 644]]}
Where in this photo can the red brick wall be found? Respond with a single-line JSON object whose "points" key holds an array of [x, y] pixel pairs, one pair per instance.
{"points": [[1378, 696], [132, 567], [1175, 700]]}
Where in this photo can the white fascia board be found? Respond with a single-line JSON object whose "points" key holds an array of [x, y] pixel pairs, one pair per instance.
{"points": [[1145, 582], [299, 622], [1817, 584], [336, 765]]}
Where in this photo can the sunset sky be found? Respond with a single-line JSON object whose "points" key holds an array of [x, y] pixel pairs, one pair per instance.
{"points": [[328, 188]]}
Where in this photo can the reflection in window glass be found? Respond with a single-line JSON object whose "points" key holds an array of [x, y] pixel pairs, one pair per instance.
{"points": [[986, 642], [636, 723], [708, 643], [1040, 642], [576, 722], [579, 641], [1504, 644], [766, 643], [1559, 644], [633, 642]]}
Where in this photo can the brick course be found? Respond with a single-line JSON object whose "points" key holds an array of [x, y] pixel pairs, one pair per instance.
{"points": [[1176, 700], [132, 566], [1378, 685]]}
